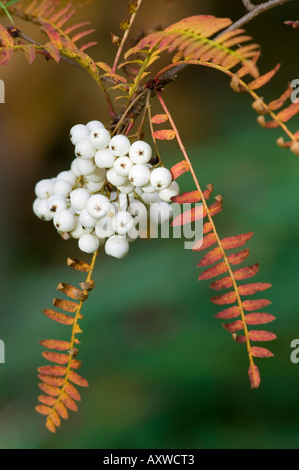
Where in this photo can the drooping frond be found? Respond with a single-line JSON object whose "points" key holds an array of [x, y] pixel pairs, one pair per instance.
{"points": [[279, 111], [52, 19], [193, 38], [57, 381], [218, 262]]}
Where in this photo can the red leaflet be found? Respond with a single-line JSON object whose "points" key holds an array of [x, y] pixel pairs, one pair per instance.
{"points": [[261, 352], [61, 409], [52, 370], [88, 45], [159, 118], [53, 51], [256, 335], [55, 344], [258, 318], [47, 400], [235, 242], [5, 37], [229, 313], [81, 35], [66, 305], [211, 257], [56, 357], [243, 273], [208, 227], [216, 207], [30, 53], [52, 34], [251, 305], [207, 241], [43, 410], [165, 134], [72, 391], [179, 169], [77, 379], [63, 15], [277, 104], [68, 402], [214, 271], [196, 213], [263, 79], [187, 198], [72, 291], [50, 426], [59, 317], [54, 417], [250, 289], [51, 380], [49, 389], [224, 299], [237, 258], [259, 335], [234, 326], [254, 376], [78, 265]]}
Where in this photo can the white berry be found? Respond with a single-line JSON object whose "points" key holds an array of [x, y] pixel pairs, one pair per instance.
{"points": [[94, 187], [62, 188], [92, 125], [88, 243], [140, 152], [172, 191], [77, 133], [65, 221], [40, 209], [123, 166], [56, 204], [104, 158], [79, 230], [79, 198], [98, 206], [161, 178], [68, 176], [104, 228], [74, 167], [150, 198], [86, 220], [126, 188], [44, 189], [119, 145], [122, 222], [100, 138], [117, 246], [149, 188], [98, 176], [86, 167], [85, 150], [116, 179], [139, 175]]}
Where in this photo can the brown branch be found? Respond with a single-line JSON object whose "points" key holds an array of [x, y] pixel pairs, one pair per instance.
{"points": [[252, 13], [248, 5]]}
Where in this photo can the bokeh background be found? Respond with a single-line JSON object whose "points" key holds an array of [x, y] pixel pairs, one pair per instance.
{"points": [[162, 371]]}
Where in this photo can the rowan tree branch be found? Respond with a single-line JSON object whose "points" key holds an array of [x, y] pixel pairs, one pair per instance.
{"points": [[253, 12]]}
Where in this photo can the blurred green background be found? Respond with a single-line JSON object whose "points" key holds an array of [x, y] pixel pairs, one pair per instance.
{"points": [[162, 371]]}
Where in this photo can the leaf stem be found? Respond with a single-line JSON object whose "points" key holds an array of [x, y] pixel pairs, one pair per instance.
{"points": [[77, 317], [231, 274], [125, 36]]}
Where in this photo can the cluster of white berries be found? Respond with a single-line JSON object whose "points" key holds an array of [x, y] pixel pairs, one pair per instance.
{"points": [[110, 182]]}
